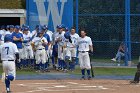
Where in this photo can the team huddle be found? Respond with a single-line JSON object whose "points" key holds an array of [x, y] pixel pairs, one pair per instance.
{"points": [[23, 48]]}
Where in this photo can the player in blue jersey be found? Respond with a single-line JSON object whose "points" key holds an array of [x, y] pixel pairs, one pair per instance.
{"points": [[18, 39]]}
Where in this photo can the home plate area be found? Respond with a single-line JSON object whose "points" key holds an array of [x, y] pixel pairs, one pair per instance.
{"points": [[72, 86]]}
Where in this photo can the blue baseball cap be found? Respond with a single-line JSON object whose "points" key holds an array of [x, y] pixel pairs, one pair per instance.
{"points": [[59, 26], [45, 27], [11, 26], [37, 26], [7, 37], [8, 26], [26, 28], [17, 27], [3, 27]]}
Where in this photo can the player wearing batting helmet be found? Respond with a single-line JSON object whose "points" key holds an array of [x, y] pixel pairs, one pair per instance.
{"points": [[40, 55], [8, 52]]}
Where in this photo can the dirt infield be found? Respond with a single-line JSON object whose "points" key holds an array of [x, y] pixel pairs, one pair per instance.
{"points": [[72, 86]]}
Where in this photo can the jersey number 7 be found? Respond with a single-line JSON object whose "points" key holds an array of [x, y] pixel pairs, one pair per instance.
{"points": [[7, 48]]}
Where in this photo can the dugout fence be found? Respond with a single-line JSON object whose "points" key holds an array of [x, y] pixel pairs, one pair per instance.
{"points": [[108, 23]]}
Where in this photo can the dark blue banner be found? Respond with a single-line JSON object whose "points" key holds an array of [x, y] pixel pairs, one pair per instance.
{"points": [[49, 12]]}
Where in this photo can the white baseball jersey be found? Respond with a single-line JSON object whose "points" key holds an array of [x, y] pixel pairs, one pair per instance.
{"points": [[61, 36], [84, 43], [40, 54], [8, 51], [39, 41], [2, 32], [27, 37], [34, 33], [20, 32], [74, 39], [8, 32]]}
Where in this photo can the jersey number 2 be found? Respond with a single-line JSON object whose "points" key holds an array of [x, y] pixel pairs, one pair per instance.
{"points": [[7, 48]]}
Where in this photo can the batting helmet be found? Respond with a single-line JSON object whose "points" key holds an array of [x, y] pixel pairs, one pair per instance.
{"points": [[7, 37]]}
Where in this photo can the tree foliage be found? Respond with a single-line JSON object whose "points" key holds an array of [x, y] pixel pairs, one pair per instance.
{"points": [[12, 4]]}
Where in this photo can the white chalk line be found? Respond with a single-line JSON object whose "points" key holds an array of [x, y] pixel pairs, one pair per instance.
{"points": [[62, 87]]}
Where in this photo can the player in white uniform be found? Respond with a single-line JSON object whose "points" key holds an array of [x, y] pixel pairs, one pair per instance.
{"points": [[2, 34], [50, 33], [72, 49], [8, 53], [84, 46], [55, 48], [11, 30], [28, 51], [40, 55], [60, 41]]}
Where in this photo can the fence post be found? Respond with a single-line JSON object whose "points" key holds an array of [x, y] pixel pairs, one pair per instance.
{"points": [[127, 34], [77, 22], [77, 15], [27, 13]]}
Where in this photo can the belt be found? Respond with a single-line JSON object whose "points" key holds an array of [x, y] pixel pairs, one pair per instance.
{"points": [[83, 51], [27, 45], [41, 49], [8, 60]]}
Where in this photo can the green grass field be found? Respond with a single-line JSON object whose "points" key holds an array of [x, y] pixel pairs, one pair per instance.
{"points": [[97, 70], [111, 71]]}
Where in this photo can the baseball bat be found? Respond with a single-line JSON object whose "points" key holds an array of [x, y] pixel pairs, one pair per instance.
{"points": [[92, 72]]}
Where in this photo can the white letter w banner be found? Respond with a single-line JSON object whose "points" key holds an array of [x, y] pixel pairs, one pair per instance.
{"points": [[49, 12]]}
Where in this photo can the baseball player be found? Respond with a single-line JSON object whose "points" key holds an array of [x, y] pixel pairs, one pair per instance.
{"points": [[11, 30], [40, 55], [84, 46], [2, 33], [72, 49], [120, 53], [28, 52], [18, 39], [60, 41], [137, 75], [7, 28], [55, 61], [46, 47], [8, 53], [50, 33]]}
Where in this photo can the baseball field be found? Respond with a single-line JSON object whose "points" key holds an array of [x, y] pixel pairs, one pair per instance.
{"points": [[72, 86], [107, 80]]}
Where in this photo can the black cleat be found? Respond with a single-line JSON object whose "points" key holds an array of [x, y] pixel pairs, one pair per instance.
{"points": [[83, 78], [9, 92], [134, 82], [89, 78]]}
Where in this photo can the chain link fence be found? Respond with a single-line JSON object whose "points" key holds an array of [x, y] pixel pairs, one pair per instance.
{"points": [[104, 21]]}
